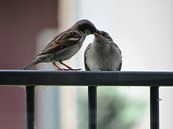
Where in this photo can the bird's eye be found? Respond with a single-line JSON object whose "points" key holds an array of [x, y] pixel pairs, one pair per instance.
{"points": [[106, 35]]}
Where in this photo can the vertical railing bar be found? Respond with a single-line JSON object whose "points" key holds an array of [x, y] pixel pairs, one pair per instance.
{"points": [[92, 107], [30, 106], [154, 107]]}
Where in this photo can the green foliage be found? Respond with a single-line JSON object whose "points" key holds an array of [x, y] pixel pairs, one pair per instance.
{"points": [[115, 110]]}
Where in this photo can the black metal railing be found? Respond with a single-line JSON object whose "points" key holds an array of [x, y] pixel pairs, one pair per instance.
{"points": [[34, 78]]}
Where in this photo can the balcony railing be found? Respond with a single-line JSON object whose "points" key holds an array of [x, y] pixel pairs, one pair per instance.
{"points": [[32, 78]]}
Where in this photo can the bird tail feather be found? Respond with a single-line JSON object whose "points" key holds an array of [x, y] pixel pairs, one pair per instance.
{"points": [[32, 63]]}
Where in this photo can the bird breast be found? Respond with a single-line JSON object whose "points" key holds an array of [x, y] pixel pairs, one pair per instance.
{"points": [[106, 58]]}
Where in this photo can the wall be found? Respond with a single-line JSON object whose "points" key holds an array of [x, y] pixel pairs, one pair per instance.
{"points": [[20, 23]]}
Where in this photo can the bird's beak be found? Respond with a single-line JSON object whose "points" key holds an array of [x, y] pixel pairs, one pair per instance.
{"points": [[96, 34]]}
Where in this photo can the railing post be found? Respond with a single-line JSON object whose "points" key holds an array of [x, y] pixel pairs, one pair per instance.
{"points": [[30, 106], [92, 107], [154, 107]]}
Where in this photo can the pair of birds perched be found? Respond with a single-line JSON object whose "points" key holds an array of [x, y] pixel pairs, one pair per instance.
{"points": [[101, 55]]}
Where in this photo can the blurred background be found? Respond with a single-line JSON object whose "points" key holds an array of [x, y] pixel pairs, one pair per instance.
{"points": [[143, 30]]}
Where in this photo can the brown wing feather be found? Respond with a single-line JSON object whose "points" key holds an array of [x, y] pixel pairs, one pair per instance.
{"points": [[61, 41]]}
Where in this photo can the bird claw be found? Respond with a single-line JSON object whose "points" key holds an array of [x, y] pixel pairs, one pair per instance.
{"points": [[75, 69], [69, 69]]}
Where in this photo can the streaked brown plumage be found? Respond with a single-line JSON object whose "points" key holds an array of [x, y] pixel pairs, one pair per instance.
{"points": [[65, 45]]}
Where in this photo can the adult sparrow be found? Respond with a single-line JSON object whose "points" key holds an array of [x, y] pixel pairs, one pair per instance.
{"points": [[65, 45], [103, 54]]}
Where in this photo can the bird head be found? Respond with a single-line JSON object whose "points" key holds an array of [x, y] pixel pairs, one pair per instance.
{"points": [[85, 26], [102, 36]]}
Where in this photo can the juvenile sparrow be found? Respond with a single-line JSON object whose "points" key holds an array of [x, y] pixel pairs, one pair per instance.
{"points": [[65, 45], [103, 54]]}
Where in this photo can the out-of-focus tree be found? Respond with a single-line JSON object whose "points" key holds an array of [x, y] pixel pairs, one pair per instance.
{"points": [[114, 110]]}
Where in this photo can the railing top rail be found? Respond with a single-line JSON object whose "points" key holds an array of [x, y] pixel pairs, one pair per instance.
{"points": [[110, 78]]}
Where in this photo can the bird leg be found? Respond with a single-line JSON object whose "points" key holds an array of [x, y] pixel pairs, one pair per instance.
{"points": [[55, 65], [69, 68]]}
